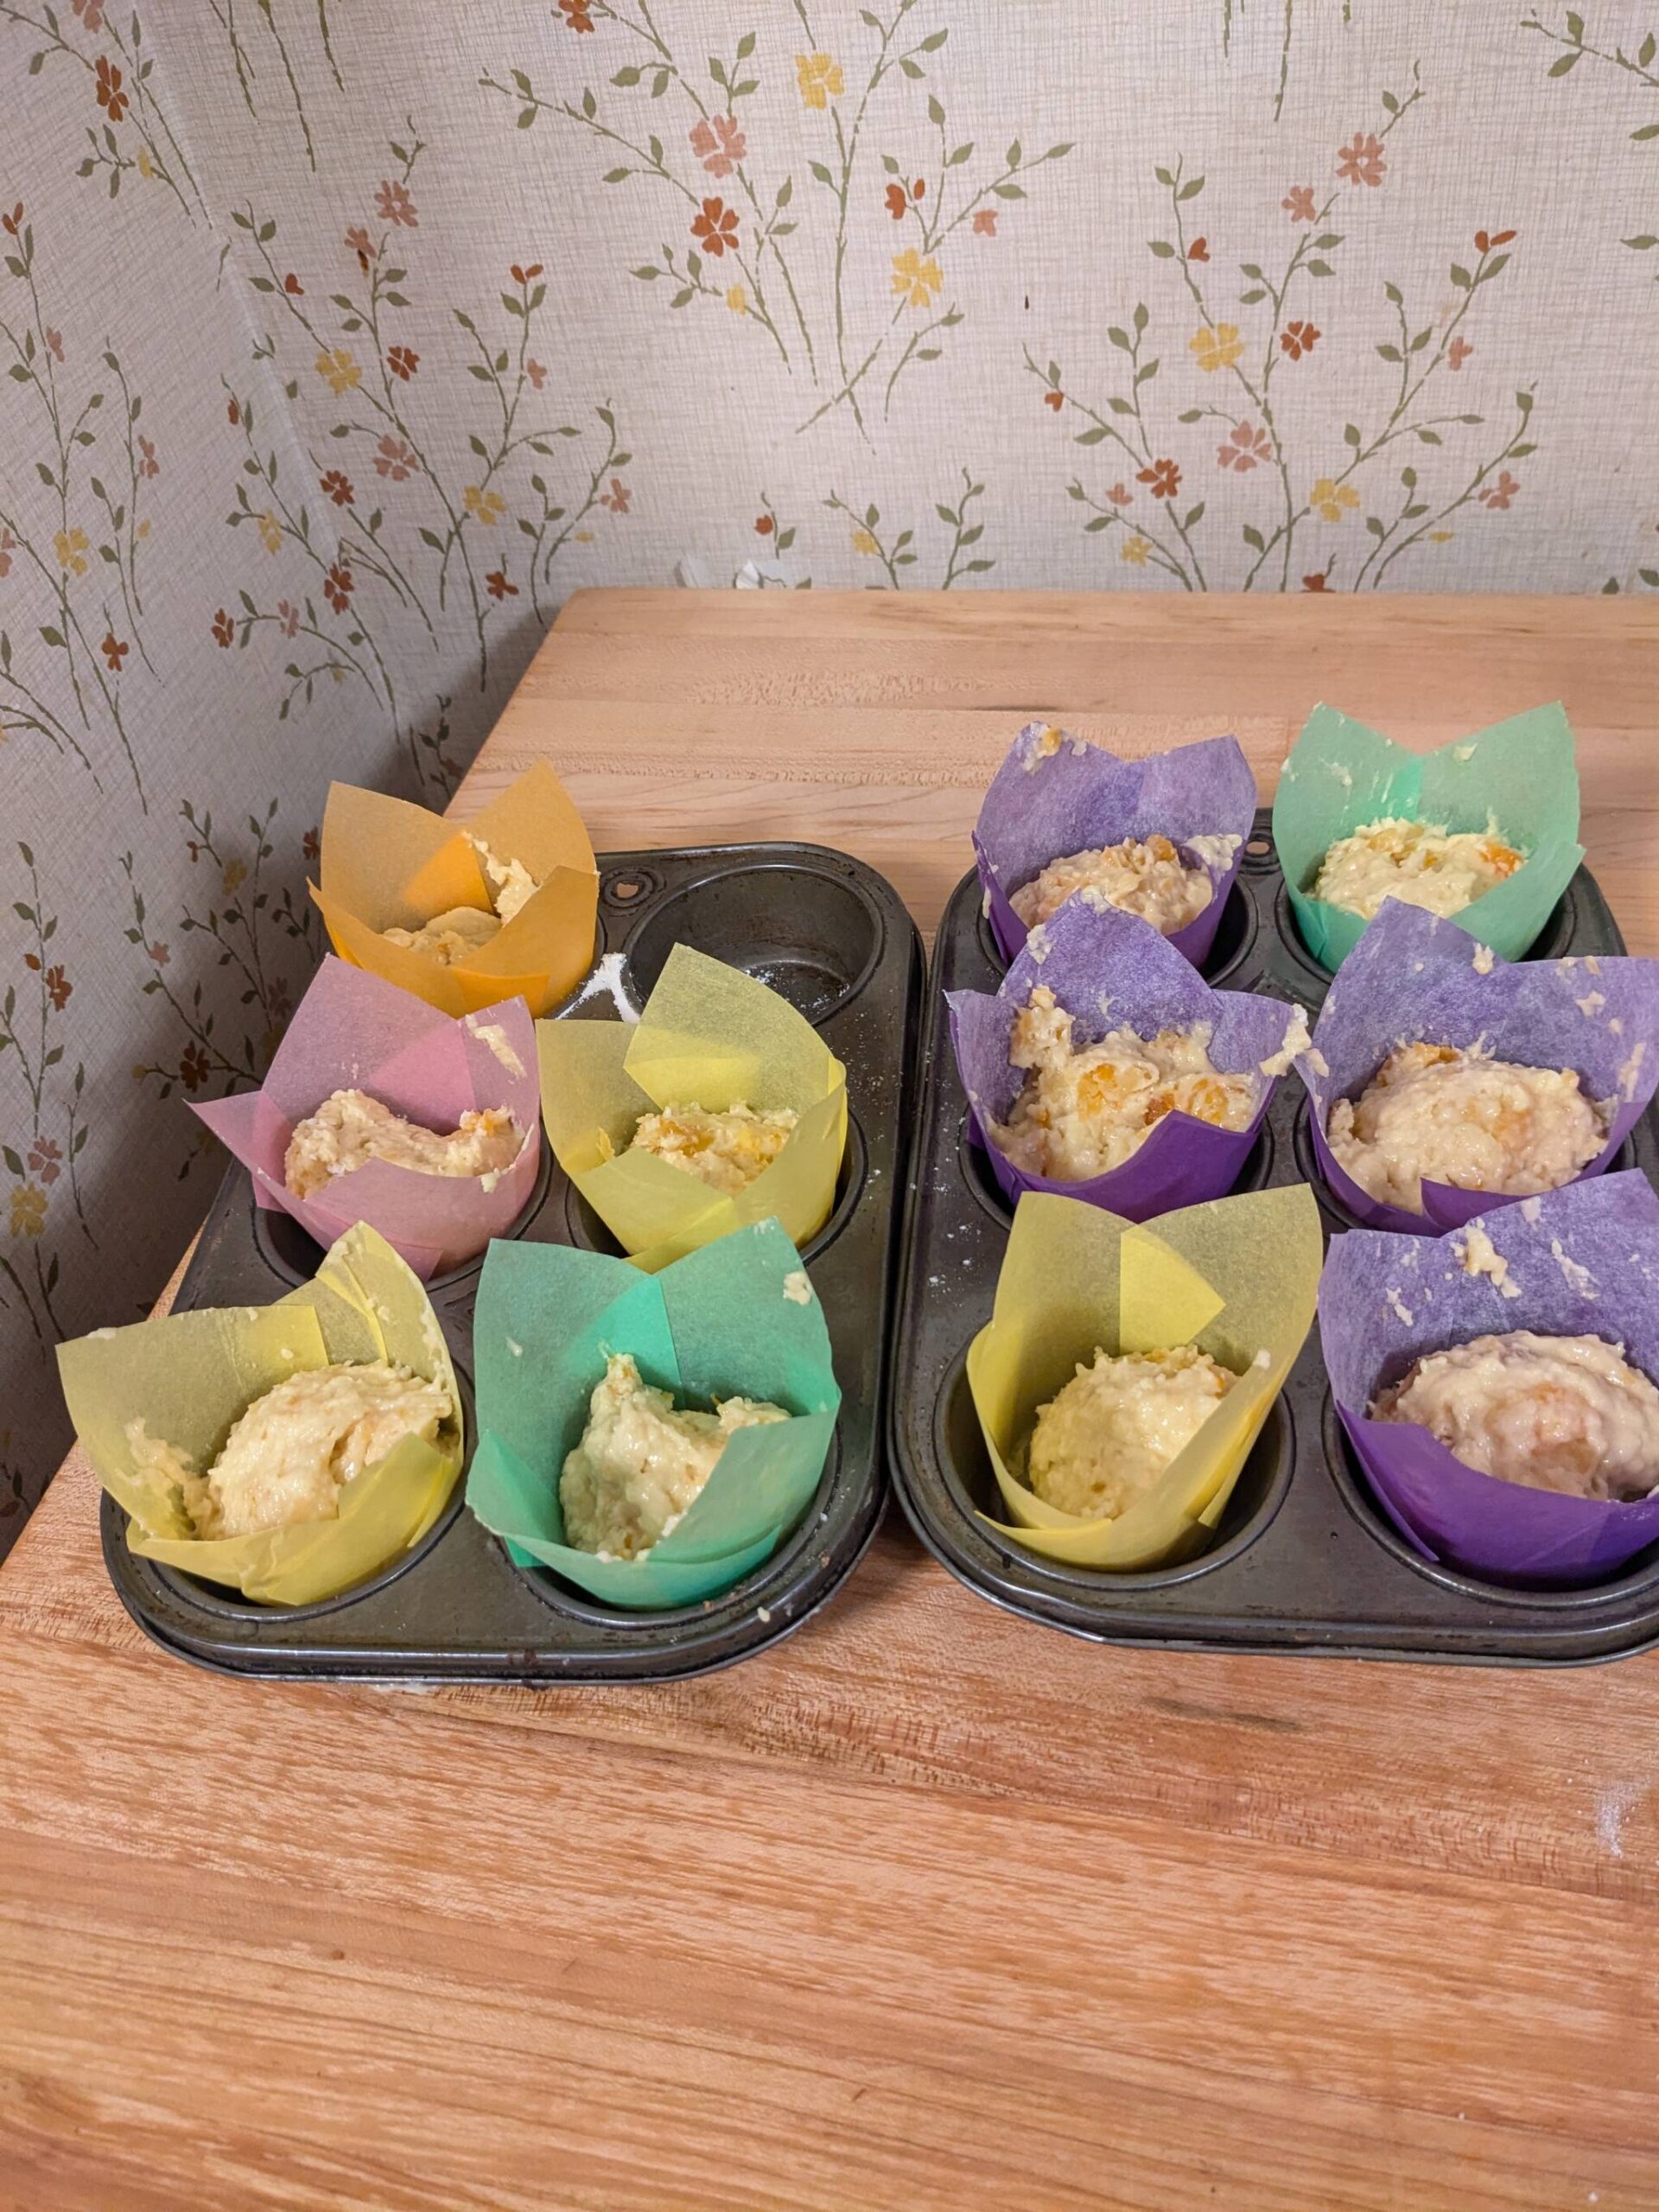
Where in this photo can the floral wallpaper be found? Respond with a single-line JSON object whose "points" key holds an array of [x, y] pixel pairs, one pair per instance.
{"points": [[339, 345]]}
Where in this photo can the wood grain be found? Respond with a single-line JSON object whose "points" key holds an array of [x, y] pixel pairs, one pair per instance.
{"points": [[926, 1908]]}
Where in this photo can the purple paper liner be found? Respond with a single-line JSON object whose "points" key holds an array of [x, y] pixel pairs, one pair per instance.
{"points": [[353, 1030], [1412, 976], [1041, 805], [1584, 1262], [1110, 970]]}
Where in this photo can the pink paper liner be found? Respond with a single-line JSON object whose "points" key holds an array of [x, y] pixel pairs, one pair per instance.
{"points": [[354, 1030]]}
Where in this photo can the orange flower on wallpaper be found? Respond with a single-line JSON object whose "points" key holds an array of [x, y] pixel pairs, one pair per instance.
{"points": [[497, 586], [1457, 352], [1316, 581], [1363, 162], [91, 13], [224, 629], [114, 652], [617, 499], [147, 464], [338, 486], [1120, 495], [110, 97], [1489, 241], [1245, 448], [718, 143], [985, 223], [1498, 496], [1054, 399], [717, 226], [338, 587], [1198, 251], [1298, 203], [362, 246], [403, 361], [287, 617], [393, 205], [1163, 477], [537, 372], [1298, 337], [576, 15]]}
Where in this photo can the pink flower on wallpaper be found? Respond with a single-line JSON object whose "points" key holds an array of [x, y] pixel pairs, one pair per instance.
{"points": [[148, 464], [1298, 204], [1458, 352], [287, 617], [393, 205], [394, 459], [617, 499], [1363, 162], [362, 244], [158, 953], [718, 143], [1500, 495], [91, 13], [55, 344], [1120, 495], [1244, 446], [985, 223], [537, 372], [46, 1159]]}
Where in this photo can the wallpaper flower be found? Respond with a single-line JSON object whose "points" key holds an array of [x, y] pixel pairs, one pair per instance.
{"points": [[339, 345]]}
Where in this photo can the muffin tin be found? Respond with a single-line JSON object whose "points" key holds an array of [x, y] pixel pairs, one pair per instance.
{"points": [[832, 936], [1303, 1559]]}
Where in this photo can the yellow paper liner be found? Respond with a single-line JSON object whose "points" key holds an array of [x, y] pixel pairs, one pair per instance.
{"points": [[387, 864], [1237, 1276], [712, 1037], [190, 1376]]}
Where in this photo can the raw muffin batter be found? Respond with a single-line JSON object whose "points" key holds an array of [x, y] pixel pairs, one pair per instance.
{"points": [[1420, 864], [295, 1449], [1147, 879], [1551, 1413], [449, 937], [1086, 1109], [1104, 1441], [641, 1462], [727, 1150], [349, 1127], [1455, 1116]]}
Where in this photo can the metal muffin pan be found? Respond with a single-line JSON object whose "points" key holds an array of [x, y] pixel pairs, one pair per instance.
{"points": [[1303, 1559], [833, 938]]}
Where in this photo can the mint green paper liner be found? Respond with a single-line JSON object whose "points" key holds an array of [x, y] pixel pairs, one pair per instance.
{"points": [[726, 1321], [1520, 773]]}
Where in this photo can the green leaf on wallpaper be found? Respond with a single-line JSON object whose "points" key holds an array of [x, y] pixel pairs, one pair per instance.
{"points": [[1574, 25], [1319, 268], [1189, 415], [1250, 298], [1120, 339], [1009, 191], [1011, 159], [1326, 241], [1193, 517], [526, 116], [1163, 248], [935, 109], [1646, 51], [911, 67], [52, 636], [1146, 373], [821, 173], [615, 176], [1121, 406], [1566, 62], [957, 155], [1251, 269], [1099, 522], [681, 297], [1643, 244], [1390, 353], [1164, 177], [784, 192], [933, 42], [1058, 153], [1431, 437], [1191, 188], [1350, 434], [1254, 538], [745, 45], [1461, 278], [1648, 131], [1092, 436], [430, 537]]}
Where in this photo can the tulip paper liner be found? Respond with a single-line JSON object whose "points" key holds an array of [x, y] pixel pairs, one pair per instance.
{"points": [[1413, 977], [387, 864], [353, 1030], [1581, 1262], [1235, 1276], [1519, 774], [1109, 971], [1055, 794], [190, 1376], [737, 1319], [712, 1037]]}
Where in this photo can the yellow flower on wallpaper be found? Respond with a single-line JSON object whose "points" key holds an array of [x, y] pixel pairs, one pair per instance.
{"points": [[737, 299], [1136, 550], [28, 1209], [271, 532], [144, 165], [1331, 501], [916, 281], [820, 79], [1442, 536], [864, 542], [70, 546], [338, 371], [1216, 349], [487, 507]]}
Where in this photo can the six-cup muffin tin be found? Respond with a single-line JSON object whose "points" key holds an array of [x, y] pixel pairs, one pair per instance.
{"points": [[835, 940], [1302, 1559]]}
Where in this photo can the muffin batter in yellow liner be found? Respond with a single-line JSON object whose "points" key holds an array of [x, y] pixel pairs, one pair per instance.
{"points": [[190, 1376], [712, 1037], [389, 864], [1237, 1276]]}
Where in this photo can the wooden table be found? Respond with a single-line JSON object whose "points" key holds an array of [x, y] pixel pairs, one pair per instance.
{"points": [[926, 1908]]}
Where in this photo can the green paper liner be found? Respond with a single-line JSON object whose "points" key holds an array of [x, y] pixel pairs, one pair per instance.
{"points": [[1520, 773], [727, 1321]]}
